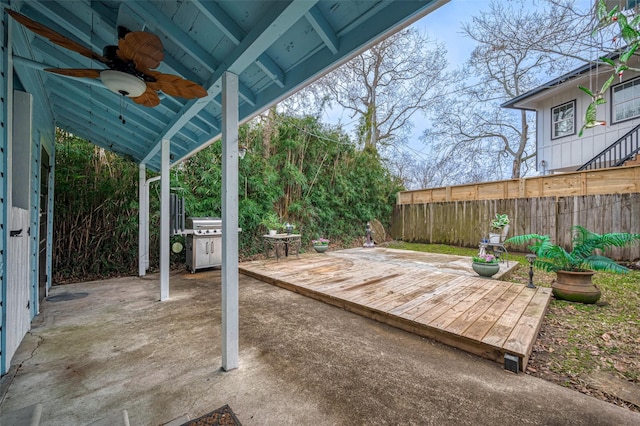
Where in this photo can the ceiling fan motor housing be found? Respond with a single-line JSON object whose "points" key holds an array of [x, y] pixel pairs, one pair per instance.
{"points": [[123, 83]]}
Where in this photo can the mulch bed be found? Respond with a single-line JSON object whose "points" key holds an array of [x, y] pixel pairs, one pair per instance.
{"points": [[221, 416]]}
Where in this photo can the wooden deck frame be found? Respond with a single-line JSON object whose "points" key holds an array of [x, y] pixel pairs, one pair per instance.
{"points": [[486, 317]]}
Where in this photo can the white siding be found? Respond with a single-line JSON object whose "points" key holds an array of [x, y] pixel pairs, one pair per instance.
{"points": [[18, 284], [570, 152]]}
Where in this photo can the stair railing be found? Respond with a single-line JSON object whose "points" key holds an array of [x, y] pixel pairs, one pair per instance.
{"points": [[617, 153]]}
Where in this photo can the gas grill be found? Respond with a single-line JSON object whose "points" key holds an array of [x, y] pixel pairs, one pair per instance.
{"points": [[204, 242]]}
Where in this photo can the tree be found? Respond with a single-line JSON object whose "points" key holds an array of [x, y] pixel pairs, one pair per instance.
{"points": [[386, 85], [314, 177], [516, 47]]}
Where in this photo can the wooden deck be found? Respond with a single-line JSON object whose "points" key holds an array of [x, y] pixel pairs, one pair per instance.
{"points": [[435, 296]]}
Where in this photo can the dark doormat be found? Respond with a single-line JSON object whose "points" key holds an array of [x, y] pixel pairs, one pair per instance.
{"points": [[221, 416]]}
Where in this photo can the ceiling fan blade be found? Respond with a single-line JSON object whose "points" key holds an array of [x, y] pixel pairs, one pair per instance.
{"points": [[149, 98], [55, 37], [174, 85], [144, 49], [76, 72]]}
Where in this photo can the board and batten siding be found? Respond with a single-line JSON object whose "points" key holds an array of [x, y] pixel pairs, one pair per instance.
{"points": [[18, 302], [465, 223]]}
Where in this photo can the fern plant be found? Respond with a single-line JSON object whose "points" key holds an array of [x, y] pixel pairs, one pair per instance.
{"points": [[583, 256]]}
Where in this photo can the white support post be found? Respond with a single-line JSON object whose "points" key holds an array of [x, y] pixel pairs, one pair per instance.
{"points": [[143, 228], [230, 322], [164, 221]]}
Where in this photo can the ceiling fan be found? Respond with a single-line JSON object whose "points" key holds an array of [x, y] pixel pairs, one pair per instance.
{"points": [[130, 64]]}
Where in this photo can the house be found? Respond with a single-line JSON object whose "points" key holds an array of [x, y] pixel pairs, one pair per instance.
{"points": [[560, 110], [245, 56]]}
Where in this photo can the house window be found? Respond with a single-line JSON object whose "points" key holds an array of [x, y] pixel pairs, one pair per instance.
{"points": [[626, 100], [563, 120]]}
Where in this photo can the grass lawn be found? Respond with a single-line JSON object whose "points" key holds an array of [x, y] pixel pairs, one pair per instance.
{"points": [[579, 342]]}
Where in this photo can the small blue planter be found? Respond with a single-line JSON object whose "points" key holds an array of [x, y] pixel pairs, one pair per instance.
{"points": [[485, 269], [321, 248]]}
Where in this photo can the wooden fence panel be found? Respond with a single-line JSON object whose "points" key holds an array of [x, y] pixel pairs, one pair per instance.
{"points": [[618, 180], [465, 223]]}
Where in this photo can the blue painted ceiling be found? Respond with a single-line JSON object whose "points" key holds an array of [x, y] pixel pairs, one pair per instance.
{"points": [[275, 47]]}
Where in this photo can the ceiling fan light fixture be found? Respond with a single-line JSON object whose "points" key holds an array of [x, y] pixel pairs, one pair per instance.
{"points": [[123, 83]]}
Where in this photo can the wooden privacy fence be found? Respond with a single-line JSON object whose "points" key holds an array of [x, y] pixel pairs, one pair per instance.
{"points": [[617, 180], [465, 223]]}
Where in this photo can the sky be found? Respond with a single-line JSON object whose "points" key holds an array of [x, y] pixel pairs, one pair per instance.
{"points": [[444, 25]]}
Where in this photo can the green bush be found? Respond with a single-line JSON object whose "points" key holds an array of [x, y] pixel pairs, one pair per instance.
{"points": [[308, 174]]}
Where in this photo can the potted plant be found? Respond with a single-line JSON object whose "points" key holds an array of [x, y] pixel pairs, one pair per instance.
{"points": [[575, 269], [499, 227], [272, 222], [320, 245], [485, 265]]}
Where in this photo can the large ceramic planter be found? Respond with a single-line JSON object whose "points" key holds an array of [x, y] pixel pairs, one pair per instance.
{"points": [[485, 269], [575, 287], [321, 248]]}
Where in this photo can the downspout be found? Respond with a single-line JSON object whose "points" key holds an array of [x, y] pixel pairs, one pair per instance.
{"points": [[50, 207]]}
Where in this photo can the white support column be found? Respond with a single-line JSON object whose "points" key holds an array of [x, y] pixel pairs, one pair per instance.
{"points": [[143, 228], [230, 323], [164, 221]]}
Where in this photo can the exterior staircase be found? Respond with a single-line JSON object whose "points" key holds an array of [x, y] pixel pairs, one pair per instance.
{"points": [[622, 152]]}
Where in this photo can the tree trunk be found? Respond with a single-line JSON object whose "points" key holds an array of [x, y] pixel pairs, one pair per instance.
{"points": [[268, 131]]}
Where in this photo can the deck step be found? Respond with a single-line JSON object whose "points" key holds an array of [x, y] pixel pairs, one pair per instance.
{"points": [[434, 296]]}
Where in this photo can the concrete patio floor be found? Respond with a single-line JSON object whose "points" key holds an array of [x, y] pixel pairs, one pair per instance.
{"points": [[110, 345]]}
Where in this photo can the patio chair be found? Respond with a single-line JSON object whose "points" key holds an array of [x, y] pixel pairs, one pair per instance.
{"points": [[496, 248]]}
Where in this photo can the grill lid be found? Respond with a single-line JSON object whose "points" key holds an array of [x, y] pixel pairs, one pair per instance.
{"points": [[203, 223]]}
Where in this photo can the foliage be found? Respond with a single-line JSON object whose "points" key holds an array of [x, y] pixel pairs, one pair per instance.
{"points": [[485, 258], [320, 242], [305, 173], [500, 222], [271, 221], [96, 212], [583, 256]]}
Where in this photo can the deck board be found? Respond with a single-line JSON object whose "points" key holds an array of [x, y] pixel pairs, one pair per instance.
{"points": [[482, 325], [444, 300], [474, 312]]}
